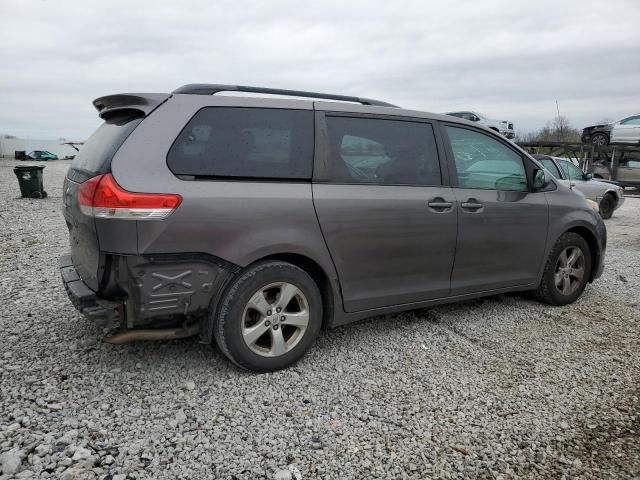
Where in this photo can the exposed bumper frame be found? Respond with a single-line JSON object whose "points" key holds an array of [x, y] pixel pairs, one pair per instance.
{"points": [[144, 291], [83, 298]]}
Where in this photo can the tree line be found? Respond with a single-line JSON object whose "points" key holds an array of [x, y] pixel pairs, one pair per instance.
{"points": [[557, 130]]}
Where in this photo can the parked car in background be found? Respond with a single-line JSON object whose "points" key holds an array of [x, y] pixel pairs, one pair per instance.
{"points": [[626, 173], [600, 135], [255, 222], [504, 127], [607, 195], [43, 155], [627, 131]]}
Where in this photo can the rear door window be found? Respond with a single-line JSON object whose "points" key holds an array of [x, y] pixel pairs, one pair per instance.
{"points": [[485, 163], [258, 143], [381, 151]]}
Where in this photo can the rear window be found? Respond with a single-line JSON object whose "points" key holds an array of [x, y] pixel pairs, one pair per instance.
{"points": [[245, 142], [95, 155]]}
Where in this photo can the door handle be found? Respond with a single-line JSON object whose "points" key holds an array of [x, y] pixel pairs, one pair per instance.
{"points": [[440, 205], [472, 205]]}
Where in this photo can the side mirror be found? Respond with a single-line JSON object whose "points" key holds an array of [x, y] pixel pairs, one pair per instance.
{"points": [[587, 176], [540, 179]]}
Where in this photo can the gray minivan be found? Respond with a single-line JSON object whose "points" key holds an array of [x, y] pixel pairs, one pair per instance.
{"points": [[258, 221]]}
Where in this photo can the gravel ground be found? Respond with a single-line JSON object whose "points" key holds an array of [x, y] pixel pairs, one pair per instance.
{"points": [[497, 388]]}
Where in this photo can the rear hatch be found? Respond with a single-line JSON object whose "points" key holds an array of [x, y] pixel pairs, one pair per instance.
{"points": [[122, 114], [93, 159]]}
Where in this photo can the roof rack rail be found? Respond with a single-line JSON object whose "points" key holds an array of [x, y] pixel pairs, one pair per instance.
{"points": [[212, 89]]}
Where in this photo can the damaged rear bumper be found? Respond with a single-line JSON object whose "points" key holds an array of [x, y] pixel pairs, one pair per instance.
{"points": [[138, 291]]}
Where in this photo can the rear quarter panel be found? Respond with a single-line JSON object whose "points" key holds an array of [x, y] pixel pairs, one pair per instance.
{"points": [[238, 221]]}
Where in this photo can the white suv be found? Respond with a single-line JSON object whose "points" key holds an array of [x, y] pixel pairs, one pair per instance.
{"points": [[504, 127]]}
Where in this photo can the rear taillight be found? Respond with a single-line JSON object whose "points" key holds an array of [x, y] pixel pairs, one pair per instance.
{"points": [[102, 197]]}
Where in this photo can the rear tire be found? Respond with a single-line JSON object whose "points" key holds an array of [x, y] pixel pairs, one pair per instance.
{"points": [[566, 272], [607, 206], [268, 317]]}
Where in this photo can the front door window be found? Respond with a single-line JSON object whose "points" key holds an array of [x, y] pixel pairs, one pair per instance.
{"points": [[483, 162]]}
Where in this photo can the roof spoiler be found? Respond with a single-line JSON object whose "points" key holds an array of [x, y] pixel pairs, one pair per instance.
{"points": [[143, 103], [212, 89]]}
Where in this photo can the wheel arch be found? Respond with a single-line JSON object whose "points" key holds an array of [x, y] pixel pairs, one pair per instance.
{"points": [[332, 312], [591, 240], [318, 274], [614, 194]]}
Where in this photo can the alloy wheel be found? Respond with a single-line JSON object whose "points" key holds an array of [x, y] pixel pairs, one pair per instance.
{"points": [[570, 269], [599, 140], [275, 319]]}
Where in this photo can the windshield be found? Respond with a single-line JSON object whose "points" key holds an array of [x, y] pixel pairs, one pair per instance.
{"points": [[551, 167], [570, 170]]}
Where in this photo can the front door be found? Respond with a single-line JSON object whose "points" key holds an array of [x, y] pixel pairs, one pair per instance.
{"points": [[502, 227], [388, 220]]}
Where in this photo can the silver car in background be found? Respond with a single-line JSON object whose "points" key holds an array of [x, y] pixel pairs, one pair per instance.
{"points": [[607, 195], [627, 130], [504, 127]]}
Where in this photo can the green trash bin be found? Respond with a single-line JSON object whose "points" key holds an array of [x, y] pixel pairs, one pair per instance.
{"points": [[30, 180]]}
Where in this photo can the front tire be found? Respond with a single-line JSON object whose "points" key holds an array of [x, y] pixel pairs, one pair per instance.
{"points": [[566, 272], [607, 206], [268, 317], [600, 139]]}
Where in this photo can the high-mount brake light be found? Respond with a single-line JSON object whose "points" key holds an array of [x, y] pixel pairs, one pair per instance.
{"points": [[102, 197]]}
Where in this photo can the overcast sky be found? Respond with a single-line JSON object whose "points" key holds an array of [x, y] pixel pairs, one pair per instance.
{"points": [[507, 59]]}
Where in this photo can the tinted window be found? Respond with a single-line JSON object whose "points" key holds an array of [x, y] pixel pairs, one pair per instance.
{"points": [[570, 170], [549, 165], [245, 142], [95, 155], [385, 152], [483, 162]]}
